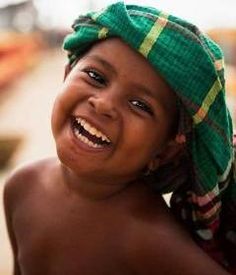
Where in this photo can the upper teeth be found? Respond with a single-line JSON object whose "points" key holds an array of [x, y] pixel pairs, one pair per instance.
{"points": [[93, 131]]}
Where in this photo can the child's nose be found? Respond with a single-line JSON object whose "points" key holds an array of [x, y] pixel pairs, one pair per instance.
{"points": [[104, 104]]}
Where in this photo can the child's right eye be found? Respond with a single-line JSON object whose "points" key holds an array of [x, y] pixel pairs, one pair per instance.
{"points": [[95, 76]]}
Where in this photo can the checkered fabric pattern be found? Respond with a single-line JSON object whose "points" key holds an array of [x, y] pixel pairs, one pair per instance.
{"points": [[192, 64]]}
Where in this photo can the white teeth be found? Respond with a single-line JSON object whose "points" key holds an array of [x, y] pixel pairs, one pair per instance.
{"points": [[85, 140], [93, 131], [86, 126], [82, 122]]}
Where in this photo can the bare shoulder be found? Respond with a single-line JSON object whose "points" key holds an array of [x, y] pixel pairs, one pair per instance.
{"points": [[22, 180], [159, 244]]}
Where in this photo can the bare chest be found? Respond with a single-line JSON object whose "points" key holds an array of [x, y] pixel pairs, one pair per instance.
{"points": [[67, 238]]}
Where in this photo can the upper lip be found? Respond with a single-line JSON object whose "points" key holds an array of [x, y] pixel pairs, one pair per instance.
{"points": [[94, 124]]}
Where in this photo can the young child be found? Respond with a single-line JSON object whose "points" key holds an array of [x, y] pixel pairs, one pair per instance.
{"points": [[141, 112]]}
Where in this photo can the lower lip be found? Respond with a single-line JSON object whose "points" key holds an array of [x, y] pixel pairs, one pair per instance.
{"points": [[84, 146]]}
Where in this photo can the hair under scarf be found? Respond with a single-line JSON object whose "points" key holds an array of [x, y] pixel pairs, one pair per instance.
{"points": [[192, 64]]}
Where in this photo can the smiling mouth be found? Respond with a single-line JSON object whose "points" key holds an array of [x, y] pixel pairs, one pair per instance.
{"points": [[88, 134]]}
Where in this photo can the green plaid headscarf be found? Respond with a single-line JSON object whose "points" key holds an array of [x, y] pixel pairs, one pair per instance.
{"points": [[192, 64]]}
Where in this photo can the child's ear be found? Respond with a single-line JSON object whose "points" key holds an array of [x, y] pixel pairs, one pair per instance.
{"points": [[171, 152]]}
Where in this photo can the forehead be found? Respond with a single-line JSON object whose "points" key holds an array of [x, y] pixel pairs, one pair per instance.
{"points": [[121, 56]]}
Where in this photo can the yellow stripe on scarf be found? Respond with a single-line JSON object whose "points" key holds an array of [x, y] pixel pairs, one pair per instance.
{"points": [[103, 33], [207, 102], [153, 34], [219, 64]]}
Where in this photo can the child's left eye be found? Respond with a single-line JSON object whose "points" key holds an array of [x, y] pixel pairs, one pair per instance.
{"points": [[94, 75], [142, 106]]}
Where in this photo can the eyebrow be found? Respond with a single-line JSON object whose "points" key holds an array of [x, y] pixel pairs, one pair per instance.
{"points": [[103, 62], [144, 90]]}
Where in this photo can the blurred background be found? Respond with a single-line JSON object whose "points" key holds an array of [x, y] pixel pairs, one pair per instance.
{"points": [[32, 64]]}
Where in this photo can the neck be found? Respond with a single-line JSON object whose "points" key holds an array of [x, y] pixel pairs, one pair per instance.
{"points": [[92, 190]]}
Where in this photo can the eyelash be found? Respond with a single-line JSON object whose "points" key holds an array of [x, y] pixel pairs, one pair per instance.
{"points": [[97, 77], [142, 105]]}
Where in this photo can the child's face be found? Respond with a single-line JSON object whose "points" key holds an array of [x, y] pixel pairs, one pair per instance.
{"points": [[125, 108]]}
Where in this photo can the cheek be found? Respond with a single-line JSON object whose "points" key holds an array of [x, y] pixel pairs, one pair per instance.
{"points": [[60, 117], [145, 135], [65, 104], [138, 148], [57, 118], [145, 141], [67, 99], [73, 90]]}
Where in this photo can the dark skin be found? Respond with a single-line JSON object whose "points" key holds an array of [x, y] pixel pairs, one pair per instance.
{"points": [[55, 231], [84, 212]]}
